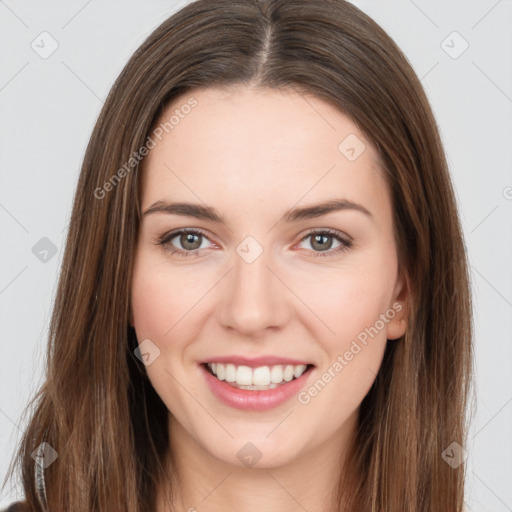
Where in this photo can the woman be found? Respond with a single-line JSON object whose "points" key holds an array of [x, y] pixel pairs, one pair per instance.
{"points": [[314, 349]]}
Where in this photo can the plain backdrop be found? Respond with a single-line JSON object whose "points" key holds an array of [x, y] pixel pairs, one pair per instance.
{"points": [[48, 106]]}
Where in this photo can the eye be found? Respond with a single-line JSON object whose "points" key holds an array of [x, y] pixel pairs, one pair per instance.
{"points": [[189, 239], [321, 241]]}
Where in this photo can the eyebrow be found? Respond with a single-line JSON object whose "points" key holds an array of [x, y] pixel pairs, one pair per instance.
{"points": [[293, 215]]}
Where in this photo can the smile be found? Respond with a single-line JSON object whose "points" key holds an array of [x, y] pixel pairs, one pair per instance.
{"points": [[259, 378], [255, 388]]}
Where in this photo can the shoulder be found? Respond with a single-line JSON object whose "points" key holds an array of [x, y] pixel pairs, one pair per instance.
{"points": [[17, 506]]}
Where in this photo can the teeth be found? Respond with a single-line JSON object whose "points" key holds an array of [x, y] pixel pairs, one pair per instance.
{"points": [[221, 372], [262, 377], [299, 370], [276, 374], [288, 373], [230, 373], [243, 376]]}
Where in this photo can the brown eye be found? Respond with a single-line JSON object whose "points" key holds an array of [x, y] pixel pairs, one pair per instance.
{"points": [[188, 242], [322, 242]]}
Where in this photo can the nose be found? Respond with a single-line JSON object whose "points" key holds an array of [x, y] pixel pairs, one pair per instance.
{"points": [[254, 298]]}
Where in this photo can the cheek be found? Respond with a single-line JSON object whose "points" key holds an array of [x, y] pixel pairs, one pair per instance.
{"points": [[157, 309], [350, 300], [355, 306], [165, 309], [351, 362], [159, 295], [150, 305]]}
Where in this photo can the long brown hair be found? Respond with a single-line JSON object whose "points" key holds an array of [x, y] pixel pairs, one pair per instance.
{"points": [[97, 408]]}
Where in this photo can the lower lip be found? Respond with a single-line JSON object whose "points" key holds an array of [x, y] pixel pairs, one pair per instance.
{"points": [[254, 400]]}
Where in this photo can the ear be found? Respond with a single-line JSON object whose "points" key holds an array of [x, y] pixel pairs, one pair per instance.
{"points": [[398, 309]]}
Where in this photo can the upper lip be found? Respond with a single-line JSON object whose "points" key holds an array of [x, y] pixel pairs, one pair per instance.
{"points": [[254, 362]]}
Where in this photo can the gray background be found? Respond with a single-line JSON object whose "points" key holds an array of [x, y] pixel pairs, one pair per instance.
{"points": [[48, 107]]}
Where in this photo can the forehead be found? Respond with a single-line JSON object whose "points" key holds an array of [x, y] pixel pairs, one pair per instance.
{"points": [[259, 148]]}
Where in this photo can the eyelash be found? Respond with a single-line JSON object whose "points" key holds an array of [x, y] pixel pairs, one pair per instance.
{"points": [[165, 240]]}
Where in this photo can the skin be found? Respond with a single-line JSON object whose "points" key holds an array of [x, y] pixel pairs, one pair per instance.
{"points": [[252, 154]]}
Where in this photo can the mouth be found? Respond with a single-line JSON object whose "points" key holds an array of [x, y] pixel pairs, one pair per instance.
{"points": [[259, 378], [255, 388]]}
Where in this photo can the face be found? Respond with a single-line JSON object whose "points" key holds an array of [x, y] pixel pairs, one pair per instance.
{"points": [[252, 283]]}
